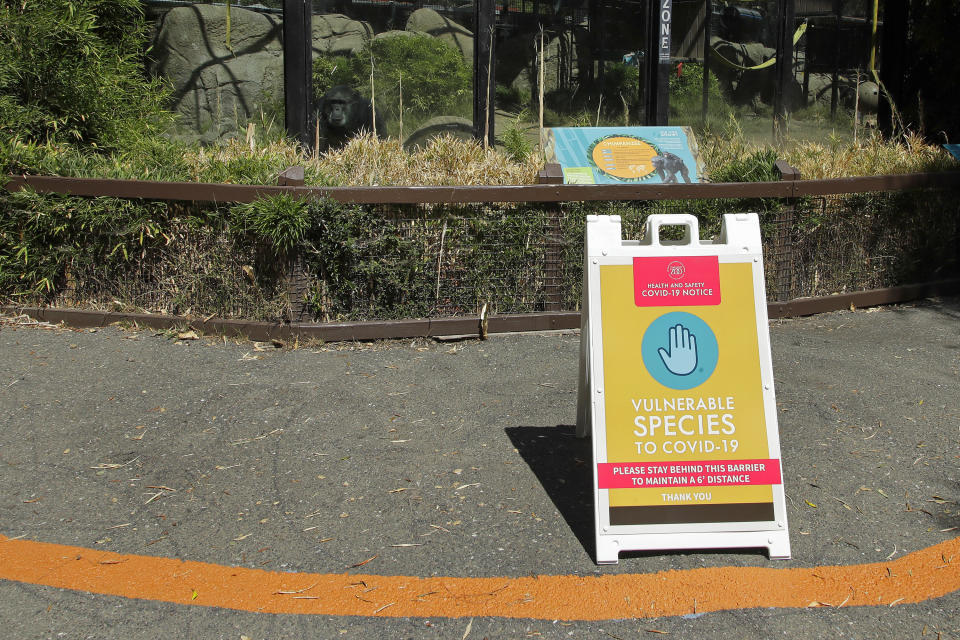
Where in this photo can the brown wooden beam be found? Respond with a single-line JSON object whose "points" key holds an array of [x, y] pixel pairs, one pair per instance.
{"points": [[860, 299], [208, 192], [457, 326]]}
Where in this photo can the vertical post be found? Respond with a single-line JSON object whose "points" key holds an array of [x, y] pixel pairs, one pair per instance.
{"points": [[835, 78], [297, 281], [707, 28], [552, 173], [783, 71], [297, 68], [805, 93], [893, 54], [553, 251], [596, 41], [659, 22], [553, 260], [783, 243], [484, 65]]}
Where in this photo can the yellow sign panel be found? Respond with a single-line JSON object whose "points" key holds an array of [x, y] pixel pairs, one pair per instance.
{"points": [[624, 157], [661, 427]]}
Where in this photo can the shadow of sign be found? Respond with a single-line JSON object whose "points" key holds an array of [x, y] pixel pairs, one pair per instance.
{"points": [[562, 464]]}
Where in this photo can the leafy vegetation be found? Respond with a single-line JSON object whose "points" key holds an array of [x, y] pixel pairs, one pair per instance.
{"points": [[686, 96], [71, 71], [123, 254], [432, 76], [515, 141]]}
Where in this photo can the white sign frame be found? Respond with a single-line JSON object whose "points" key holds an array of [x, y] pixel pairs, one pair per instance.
{"points": [[739, 241]]}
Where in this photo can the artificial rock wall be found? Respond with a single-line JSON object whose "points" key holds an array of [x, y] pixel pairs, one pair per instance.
{"points": [[218, 89], [219, 85]]}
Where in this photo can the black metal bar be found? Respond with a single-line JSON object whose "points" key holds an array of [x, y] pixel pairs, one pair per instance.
{"points": [[484, 70], [596, 42], [783, 71], [658, 63], [297, 68], [707, 27], [893, 57], [835, 77]]}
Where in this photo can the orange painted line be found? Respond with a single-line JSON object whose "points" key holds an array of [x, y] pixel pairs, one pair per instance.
{"points": [[918, 576]]}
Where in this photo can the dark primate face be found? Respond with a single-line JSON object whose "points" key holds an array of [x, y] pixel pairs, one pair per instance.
{"points": [[338, 113]]}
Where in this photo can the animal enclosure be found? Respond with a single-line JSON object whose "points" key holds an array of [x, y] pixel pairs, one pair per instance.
{"points": [[418, 65]]}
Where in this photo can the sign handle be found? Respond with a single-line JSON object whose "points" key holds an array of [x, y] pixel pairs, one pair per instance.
{"points": [[691, 235]]}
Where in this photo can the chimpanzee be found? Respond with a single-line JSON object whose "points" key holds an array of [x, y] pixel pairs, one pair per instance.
{"points": [[341, 114], [667, 165]]}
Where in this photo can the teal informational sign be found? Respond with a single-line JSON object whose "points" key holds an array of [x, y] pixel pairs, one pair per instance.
{"points": [[953, 149], [623, 155]]}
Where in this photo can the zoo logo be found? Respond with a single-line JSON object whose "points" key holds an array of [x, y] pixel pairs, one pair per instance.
{"points": [[676, 270]]}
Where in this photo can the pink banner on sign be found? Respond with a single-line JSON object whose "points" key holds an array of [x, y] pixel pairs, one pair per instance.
{"points": [[676, 281], [704, 473]]}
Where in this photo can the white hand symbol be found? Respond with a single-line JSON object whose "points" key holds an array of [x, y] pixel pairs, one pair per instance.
{"points": [[681, 359]]}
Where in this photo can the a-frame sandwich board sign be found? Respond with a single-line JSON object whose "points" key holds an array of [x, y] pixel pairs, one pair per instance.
{"points": [[676, 387]]}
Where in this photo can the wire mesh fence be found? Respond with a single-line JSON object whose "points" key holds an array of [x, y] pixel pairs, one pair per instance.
{"points": [[413, 261], [393, 261], [450, 261], [192, 271], [867, 241]]}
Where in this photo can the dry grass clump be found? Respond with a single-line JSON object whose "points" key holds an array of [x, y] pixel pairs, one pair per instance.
{"points": [[446, 160], [833, 157], [242, 162], [718, 149], [264, 153], [869, 156], [364, 161], [369, 161]]}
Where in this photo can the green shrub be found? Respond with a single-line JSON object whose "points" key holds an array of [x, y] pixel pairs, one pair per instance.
{"points": [[514, 139], [72, 70], [620, 82], [330, 71], [435, 78], [511, 98], [281, 220], [686, 96], [754, 167], [45, 237]]}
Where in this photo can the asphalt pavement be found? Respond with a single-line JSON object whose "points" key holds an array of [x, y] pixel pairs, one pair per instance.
{"points": [[456, 458]]}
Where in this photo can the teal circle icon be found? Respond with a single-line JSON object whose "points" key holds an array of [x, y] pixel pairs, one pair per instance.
{"points": [[680, 350]]}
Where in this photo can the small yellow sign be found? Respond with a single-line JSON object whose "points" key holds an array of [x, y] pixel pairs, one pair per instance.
{"points": [[624, 157]]}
